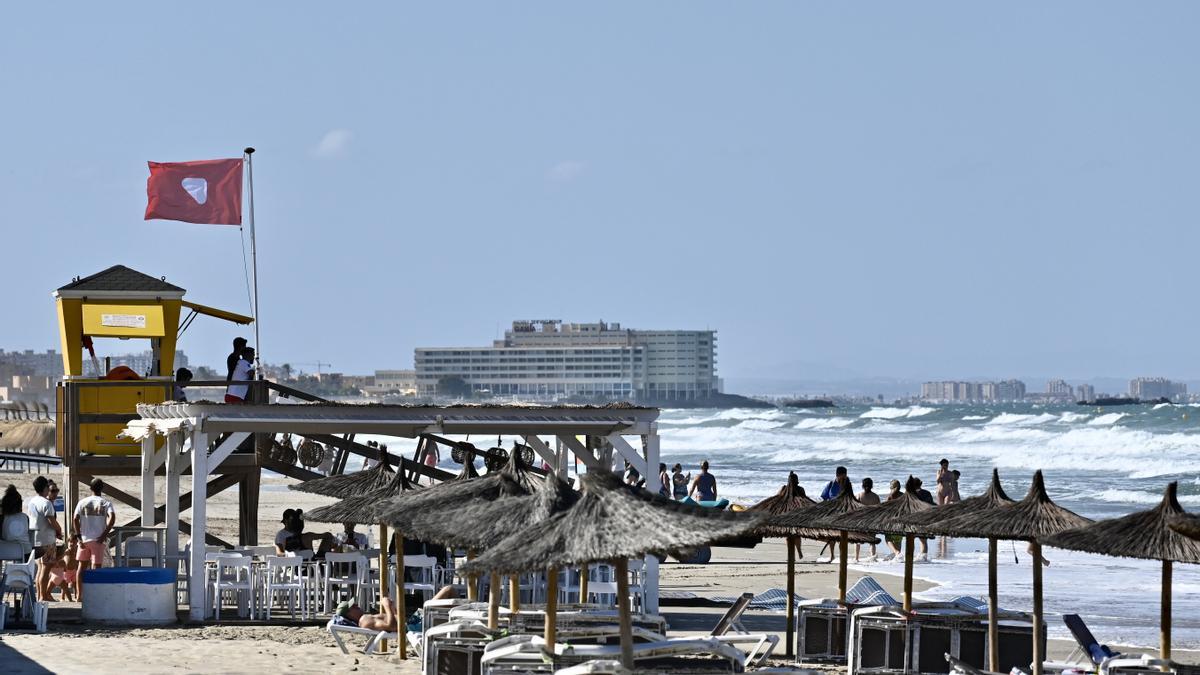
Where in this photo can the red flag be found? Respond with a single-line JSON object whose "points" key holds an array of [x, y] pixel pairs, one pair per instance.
{"points": [[208, 191]]}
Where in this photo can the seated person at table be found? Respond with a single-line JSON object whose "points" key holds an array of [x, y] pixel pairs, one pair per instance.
{"points": [[293, 538], [351, 538]]}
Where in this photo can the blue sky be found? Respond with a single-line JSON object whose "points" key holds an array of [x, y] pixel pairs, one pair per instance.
{"points": [[906, 189]]}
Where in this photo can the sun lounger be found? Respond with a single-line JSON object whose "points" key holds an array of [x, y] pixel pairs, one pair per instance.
{"points": [[601, 667], [1087, 646], [729, 630], [528, 654], [338, 631]]}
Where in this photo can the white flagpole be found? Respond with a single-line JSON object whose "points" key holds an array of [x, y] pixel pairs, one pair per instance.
{"points": [[258, 374]]}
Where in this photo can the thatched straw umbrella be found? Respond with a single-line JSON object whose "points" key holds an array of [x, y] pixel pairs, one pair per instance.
{"points": [[1032, 519], [349, 484], [802, 524], [613, 522], [1143, 534], [361, 509], [790, 498], [888, 519], [481, 524], [938, 522], [423, 512], [1187, 524]]}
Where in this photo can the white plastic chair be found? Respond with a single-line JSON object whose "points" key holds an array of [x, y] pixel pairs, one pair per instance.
{"points": [[284, 575], [425, 577], [19, 582], [233, 573], [11, 551], [343, 571], [16, 529], [142, 549]]}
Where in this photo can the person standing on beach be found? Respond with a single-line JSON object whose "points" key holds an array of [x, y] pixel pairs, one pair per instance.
{"points": [[94, 518], [867, 498], [704, 484], [924, 496], [893, 540], [243, 372], [834, 487], [679, 482], [46, 531], [664, 481]]}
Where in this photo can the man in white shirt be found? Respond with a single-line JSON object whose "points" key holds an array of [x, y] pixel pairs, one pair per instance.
{"points": [[243, 372], [94, 520], [349, 537], [46, 530]]}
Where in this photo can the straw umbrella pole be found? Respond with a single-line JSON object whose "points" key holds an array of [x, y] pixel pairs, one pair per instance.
{"points": [[1143, 534], [887, 518], [790, 498], [933, 522], [610, 522], [1032, 519]]}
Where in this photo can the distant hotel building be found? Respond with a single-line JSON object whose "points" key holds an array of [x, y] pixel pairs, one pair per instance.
{"points": [[1085, 392], [552, 359], [1008, 390], [1147, 388]]}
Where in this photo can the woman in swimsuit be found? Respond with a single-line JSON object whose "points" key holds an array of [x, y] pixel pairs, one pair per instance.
{"points": [[705, 484], [945, 483]]}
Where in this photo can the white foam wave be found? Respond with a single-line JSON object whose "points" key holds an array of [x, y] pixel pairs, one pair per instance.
{"points": [[1106, 420], [1161, 405], [974, 418], [1015, 419], [896, 413], [1136, 497], [759, 424], [1071, 418], [817, 423]]}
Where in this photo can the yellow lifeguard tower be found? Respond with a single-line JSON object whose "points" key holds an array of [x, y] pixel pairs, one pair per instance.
{"points": [[92, 409]]}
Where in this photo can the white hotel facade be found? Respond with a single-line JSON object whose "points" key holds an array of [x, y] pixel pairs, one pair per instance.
{"points": [[553, 360]]}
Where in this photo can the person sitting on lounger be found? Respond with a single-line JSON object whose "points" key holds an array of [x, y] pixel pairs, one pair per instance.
{"points": [[349, 613]]}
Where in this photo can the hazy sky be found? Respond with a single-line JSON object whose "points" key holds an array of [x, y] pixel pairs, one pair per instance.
{"points": [[908, 189]]}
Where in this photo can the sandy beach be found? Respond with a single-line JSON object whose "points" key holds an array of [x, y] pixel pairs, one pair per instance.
{"points": [[71, 646]]}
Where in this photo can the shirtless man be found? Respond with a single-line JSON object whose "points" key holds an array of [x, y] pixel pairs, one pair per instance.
{"points": [[384, 621]]}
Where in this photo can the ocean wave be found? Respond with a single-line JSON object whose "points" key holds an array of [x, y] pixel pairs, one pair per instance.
{"points": [[818, 423], [1071, 417], [760, 424], [1016, 419], [896, 413], [1136, 497], [1106, 420], [974, 418]]}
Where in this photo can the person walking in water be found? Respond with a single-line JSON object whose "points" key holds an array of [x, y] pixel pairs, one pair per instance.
{"points": [[868, 498], [704, 484]]}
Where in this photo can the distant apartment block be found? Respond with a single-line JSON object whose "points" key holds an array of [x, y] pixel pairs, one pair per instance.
{"points": [[952, 391], [28, 362], [1060, 389], [551, 359], [1147, 388], [393, 382], [1085, 392]]}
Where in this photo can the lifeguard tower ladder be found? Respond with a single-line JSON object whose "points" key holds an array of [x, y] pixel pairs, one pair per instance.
{"points": [[123, 303]]}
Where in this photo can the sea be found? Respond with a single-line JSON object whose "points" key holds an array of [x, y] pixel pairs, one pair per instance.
{"points": [[1099, 463]]}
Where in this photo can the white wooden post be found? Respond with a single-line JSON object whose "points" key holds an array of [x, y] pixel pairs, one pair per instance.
{"points": [[174, 470], [148, 478], [650, 583], [196, 591]]}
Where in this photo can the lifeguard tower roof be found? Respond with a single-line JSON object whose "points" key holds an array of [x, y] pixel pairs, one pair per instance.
{"points": [[121, 279]]}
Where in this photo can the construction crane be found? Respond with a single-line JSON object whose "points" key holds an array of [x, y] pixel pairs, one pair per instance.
{"points": [[318, 364]]}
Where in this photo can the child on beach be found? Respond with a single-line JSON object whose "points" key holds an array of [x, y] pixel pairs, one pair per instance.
{"points": [[66, 569]]}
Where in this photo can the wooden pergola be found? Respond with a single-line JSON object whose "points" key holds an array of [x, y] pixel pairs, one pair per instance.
{"points": [[601, 438]]}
